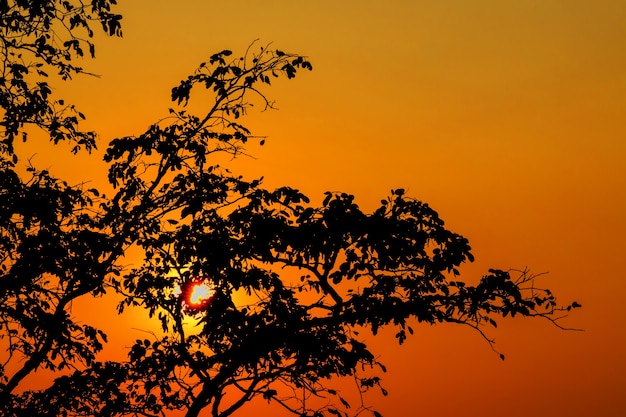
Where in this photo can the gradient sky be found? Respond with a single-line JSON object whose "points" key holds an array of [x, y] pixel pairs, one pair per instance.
{"points": [[507, 117]]}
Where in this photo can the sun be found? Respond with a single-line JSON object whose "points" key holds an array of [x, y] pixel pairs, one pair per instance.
{"points": [[199, 293], [196, 295]]}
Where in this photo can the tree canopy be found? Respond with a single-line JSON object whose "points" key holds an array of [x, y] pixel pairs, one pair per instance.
{"points": [[313, 278]]}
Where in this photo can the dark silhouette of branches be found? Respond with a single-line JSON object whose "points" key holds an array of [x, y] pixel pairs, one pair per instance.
{"points": [[37, 37], [290, 286]]}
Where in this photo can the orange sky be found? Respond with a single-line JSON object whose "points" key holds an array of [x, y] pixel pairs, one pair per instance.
{"points": [[507, 117]]}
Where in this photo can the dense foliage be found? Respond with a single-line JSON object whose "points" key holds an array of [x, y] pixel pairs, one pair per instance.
{"points": [[292, 284]]}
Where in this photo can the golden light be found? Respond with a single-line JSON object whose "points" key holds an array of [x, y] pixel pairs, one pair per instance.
{"points": [[195, 295], [199, 293]]}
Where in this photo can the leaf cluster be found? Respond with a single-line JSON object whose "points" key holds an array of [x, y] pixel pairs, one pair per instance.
{"points": [[37, 37]]}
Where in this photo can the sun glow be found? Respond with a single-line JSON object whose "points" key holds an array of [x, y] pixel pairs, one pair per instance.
{"points": [[199, 293], [196, 295]]}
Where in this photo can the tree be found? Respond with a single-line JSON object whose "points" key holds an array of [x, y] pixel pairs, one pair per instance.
{"points": [[312, 277]]}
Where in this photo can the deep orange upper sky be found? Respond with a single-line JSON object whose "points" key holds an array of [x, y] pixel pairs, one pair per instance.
{"points": [[507, 117]]}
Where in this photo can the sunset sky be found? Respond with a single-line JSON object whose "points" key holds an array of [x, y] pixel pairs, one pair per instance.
{"points": [[507, 117]]}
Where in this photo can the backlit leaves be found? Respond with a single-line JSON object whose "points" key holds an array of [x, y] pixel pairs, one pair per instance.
{"points": [[312, 277], [39, 37]]}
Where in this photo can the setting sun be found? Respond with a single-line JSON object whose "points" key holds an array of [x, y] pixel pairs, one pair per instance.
{"points": [[199, 293], [195, 295]]}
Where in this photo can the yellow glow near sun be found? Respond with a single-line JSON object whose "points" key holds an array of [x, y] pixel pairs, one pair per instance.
{"points": [[199, 293]]}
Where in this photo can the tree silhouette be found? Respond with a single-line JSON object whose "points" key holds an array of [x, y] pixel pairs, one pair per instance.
{"points": [[311, 278]]}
